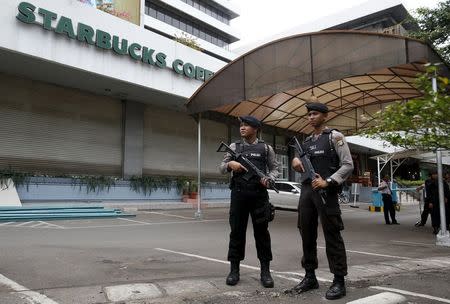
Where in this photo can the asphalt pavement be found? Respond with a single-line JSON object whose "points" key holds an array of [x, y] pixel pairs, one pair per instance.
{"points": [[169, 256]]}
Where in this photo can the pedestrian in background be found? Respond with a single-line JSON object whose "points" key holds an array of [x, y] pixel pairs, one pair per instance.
{"points": [[386, 194], [426, 209], [433, 202]]}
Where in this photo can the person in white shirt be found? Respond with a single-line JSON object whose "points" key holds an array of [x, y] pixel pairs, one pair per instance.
{"points": [[386, 194]]}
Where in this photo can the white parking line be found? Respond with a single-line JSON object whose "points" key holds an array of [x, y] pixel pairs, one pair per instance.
{"points": [[7, 223], [374, 254], [23, 224], [409, 293], [143, 224], [54, 225], [134, 221], [172, 215], [276, 273], [31, 296], [40, 223], [381, 298]]}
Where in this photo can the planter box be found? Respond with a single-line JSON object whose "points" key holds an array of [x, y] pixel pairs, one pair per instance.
{"points": [[64, 189]]}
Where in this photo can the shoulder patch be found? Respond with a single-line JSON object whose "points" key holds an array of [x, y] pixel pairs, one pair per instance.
{"points": [[340, 142]]}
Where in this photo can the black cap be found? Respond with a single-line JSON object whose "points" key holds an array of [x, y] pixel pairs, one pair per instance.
{"points": [[251, 121], [317, 106]]}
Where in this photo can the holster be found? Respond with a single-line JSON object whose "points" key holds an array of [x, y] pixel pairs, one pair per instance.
{"points": [[265, 213]]}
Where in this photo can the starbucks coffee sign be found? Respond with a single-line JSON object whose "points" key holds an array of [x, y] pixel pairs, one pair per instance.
{"points": [[103, 40]]}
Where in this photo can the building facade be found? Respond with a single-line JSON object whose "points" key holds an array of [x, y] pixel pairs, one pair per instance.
{"points": [[98, 87]]}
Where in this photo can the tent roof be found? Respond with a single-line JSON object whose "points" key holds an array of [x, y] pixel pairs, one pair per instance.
{"points": [[355, 73], [373, 146]]}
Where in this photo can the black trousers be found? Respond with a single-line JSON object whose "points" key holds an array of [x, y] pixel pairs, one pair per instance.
{"points": [[436, 215], [310, 209], [245, 203], [389, 208], [425, 212]]}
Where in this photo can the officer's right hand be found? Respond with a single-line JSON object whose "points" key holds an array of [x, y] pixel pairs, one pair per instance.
{"points": [[297, 165], [236, 166]]}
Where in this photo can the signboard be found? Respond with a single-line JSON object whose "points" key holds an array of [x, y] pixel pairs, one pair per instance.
{"points": [[124, 9], [84, 33]]}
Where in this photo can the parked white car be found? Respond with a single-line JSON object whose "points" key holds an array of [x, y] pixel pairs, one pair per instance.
{"points": [[288, 196]]}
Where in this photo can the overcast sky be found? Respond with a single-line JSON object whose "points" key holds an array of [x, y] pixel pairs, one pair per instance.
{"points": [[261, 19]]}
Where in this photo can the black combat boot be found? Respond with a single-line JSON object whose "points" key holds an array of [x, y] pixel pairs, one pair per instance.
{"points": [[233, 276], [337, 289], [266, 278], [309, 282]]}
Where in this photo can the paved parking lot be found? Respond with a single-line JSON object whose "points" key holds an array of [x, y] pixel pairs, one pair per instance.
{"points": [[171, 257]]}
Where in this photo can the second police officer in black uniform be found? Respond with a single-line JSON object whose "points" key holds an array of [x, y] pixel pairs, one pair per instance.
{"points": [[331, 159], [250, 197]]}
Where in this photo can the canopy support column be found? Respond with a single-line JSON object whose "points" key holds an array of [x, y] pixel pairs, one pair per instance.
{"points": [[198, 214], [443, 237]]}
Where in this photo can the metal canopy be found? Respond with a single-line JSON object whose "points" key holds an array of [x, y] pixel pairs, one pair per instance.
{"points": [[355, 73]]}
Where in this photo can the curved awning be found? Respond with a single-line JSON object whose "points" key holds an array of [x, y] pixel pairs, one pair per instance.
{"points": [[355, 73]]}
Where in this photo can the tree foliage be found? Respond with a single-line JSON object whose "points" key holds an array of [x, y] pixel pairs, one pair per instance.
{"points": [[422, 123], [435, 27]]}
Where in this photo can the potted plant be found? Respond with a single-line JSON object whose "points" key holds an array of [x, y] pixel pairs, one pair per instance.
{"points": [[193, 188]]}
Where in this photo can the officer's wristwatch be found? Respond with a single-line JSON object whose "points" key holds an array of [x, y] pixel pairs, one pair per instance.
{"points": [[330, 181]]}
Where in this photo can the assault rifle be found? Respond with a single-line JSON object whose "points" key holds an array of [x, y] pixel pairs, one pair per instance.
{"points": [[309, 173], [252, 169]]}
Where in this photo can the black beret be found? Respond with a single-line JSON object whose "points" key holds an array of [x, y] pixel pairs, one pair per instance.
{"points": [[251, 121], [317, 106]]}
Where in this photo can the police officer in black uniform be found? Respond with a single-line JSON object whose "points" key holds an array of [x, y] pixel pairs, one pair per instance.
{"points": [[250, 197], [432, 199], [331, 159]]}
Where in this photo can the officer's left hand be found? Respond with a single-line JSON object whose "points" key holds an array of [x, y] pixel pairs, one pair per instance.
{"points": [[265, 181], [319, 182]]}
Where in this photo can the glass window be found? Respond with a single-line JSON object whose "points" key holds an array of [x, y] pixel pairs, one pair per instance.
{"points": [[202, 7], [176, 22], [167, 19], [196, 32], [189, 28], [152, 12], [214, 40], [190, 2], [182, 25], [160, 16], [283, 165], [208, 10], [196, 4], [202, 34]]}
